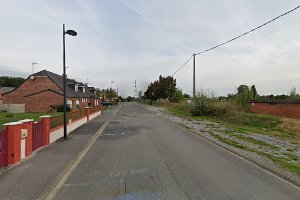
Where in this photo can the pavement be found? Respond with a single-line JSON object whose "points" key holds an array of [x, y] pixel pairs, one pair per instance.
{"points": [[30, 178], [137, 155]]}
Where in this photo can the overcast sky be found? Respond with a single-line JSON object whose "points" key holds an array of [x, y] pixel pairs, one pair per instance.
{"points": [[127, 40]]}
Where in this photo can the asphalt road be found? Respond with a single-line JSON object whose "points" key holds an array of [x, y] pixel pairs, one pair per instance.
{"points": [[141, 156]]}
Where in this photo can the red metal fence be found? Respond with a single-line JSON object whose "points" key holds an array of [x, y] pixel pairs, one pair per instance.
{"points": [[37, 135], [3, 148], [73, 115], [94, 109]]}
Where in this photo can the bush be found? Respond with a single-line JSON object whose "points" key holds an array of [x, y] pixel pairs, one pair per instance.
{"points": [[9, 115], [60, 108], [205, 106]]}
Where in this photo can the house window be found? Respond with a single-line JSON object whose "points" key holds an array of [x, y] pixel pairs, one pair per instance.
{"points": [[76, 88], [83, 90], [77, 102], [69, 102]]}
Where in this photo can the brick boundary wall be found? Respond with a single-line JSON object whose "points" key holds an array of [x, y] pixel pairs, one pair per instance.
{"points": [[290, 110], [21, 133]]}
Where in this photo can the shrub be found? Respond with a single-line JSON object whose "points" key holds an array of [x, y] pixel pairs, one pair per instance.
{"points": [[60, 108], [211, 106], [9, 115]]}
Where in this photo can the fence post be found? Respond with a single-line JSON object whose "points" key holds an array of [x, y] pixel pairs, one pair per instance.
{"points": [[87, 111], [13, 142], [45, 120], [28, 124]]}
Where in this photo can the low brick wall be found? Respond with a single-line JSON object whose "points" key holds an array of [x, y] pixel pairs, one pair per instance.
{"points": [[282, 109], [19, 137], [58, 132]]}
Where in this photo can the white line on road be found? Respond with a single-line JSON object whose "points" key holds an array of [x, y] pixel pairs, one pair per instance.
{"points": [[132, 110], [66, 173]]}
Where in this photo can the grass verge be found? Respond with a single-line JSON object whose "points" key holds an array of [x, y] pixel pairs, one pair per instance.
{"points": [[242, 124], [6, 118]]}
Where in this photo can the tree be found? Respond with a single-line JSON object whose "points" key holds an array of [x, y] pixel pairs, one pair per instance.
{"points": [[152, 92], [130, 98], [6, 81], [105, 94], [164, 88], [253, 92], [293, 92], [167, 88], [120, 99], [243, 96], [178, 96], [185, 95], [140, 94]]}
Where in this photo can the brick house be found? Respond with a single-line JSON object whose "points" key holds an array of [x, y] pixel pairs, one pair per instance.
{"points": [[290, 109], [43, 92]]}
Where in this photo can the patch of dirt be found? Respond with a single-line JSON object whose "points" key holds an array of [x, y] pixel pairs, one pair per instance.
{"points": [[291, 125]]}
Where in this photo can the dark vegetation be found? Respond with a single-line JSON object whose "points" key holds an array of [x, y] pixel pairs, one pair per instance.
{"points": [[7, 81], [164, 88], [60, 108]]}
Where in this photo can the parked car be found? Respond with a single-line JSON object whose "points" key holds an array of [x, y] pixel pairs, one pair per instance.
{"points": [[107, 103]]}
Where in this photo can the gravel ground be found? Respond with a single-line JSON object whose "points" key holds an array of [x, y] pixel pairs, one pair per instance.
{"points": [[253, 142]]}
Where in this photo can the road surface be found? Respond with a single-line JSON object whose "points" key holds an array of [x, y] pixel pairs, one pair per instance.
{"points": [[141, 156]]}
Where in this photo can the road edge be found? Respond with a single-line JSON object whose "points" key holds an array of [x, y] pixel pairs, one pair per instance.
{"points": [[241, 156]]}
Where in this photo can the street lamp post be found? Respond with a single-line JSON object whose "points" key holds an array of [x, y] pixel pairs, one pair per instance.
{"points": [[33, 63], [72, 33]]}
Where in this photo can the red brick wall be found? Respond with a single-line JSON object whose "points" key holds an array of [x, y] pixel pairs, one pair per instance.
{"points": [[29, 87], [41, 102], [289, 110]]}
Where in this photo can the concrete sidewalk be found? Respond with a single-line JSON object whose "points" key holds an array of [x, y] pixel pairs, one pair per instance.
{"points": [[30, 178]]}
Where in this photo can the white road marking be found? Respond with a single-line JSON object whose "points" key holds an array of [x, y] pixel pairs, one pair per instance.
{"points": [[132, 110], [126, 172], [110, 134]]}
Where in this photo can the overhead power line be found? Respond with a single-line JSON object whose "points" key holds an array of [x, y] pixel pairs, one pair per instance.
{"points": [[182, 65], [249, 31], [235, 38]]}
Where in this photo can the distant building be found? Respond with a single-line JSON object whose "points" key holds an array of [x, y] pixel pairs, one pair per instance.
{"points": [[5, 90], [43, 92], [2, 91], [290, 109]]}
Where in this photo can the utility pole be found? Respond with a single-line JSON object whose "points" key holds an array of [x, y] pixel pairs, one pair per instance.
{"points": [[194, 78], [135, 90], [33, 63]]}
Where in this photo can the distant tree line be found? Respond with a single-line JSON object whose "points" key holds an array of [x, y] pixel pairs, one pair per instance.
{"points": [[209, 104], [7, 81], [106, 93]]}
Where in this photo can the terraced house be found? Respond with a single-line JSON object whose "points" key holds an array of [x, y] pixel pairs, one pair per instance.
{"points": [[43, 92]]}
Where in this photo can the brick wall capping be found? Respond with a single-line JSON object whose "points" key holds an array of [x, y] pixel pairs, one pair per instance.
{"points": [[87, 107], [26, 120], [12, 123], [276, 101], [45, 116]]}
